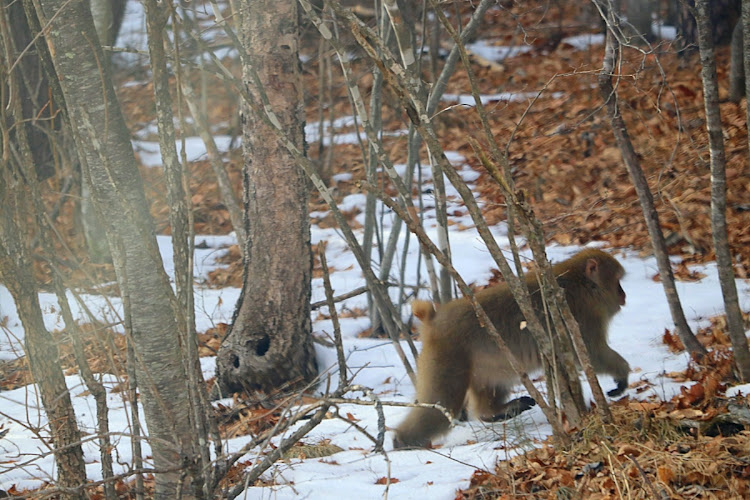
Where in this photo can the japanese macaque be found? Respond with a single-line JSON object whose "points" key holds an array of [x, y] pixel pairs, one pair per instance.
{"points": [[460, 365]]}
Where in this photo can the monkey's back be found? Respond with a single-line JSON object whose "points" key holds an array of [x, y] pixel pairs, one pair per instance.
{"points": [[456, 324]]}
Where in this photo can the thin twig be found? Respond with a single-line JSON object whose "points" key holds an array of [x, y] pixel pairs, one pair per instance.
{"points": [[334, 316]]}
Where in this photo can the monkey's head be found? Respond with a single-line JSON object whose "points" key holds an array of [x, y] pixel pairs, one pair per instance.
{"points": [[605, 272]]}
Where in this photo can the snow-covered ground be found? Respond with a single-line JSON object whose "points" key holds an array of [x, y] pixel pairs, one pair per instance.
{"points": [[356, 472], [635, 333]]}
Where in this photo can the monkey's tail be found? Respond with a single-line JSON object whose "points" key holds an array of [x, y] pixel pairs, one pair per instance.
{"points": [[423, 310]]}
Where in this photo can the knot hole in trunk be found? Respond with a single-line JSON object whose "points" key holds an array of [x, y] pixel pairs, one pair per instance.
{"points": [[262, 345]]}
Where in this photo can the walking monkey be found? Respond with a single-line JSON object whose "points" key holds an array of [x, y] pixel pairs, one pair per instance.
{"points": [[461, 365]]}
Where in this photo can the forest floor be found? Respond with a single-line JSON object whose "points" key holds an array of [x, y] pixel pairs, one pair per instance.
{"points": [[563, 154], [560, 146]]}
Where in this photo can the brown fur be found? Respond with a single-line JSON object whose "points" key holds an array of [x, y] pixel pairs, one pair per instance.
{"points": [[460, 364]]}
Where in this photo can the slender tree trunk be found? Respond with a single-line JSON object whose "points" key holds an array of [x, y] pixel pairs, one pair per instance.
{"points": [[41, 348], [108, 15], [640, 183], [270, 343], [180, 221], [93, 228], [104, 147], [94, 386], [719, 191]]}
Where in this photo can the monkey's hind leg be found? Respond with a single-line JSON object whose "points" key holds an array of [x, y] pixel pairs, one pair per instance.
{"points": [[438, 382]]}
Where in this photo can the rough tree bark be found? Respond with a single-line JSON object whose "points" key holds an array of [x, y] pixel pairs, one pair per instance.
{"points": [[108, 15], [269, 344], [103, 143], [719, 191]]}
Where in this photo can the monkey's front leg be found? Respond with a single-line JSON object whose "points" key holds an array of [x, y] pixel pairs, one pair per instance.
{"points": [[489, 403], [606, 360], [511, 409]]}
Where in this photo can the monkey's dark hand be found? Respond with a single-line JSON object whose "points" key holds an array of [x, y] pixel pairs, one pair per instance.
{"points": [[512, 408], [621, 386], [525, 403]]}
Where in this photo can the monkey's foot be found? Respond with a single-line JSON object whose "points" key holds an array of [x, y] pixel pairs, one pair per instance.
{"points": [[512, 408], [621, 386], [401, 444]]}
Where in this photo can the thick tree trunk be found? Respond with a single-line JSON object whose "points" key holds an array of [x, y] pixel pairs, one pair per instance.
{"points": [[723, 14], [103, 144], [724, 262], [270, 343]]}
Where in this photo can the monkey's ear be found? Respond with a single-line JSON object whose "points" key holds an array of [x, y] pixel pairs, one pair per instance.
{"points": [[592, 269], [423, 310]]}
